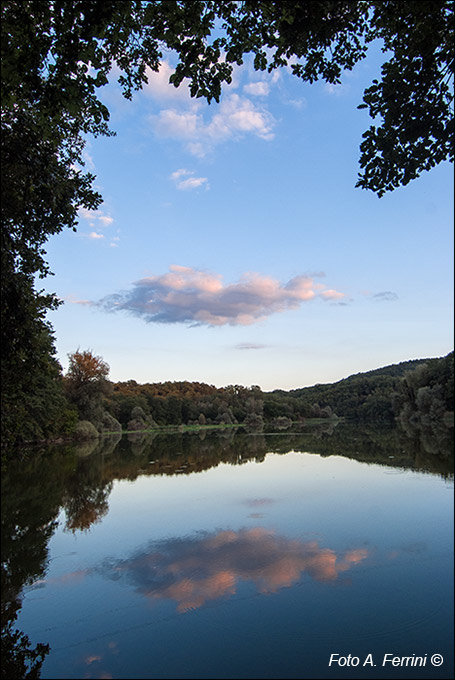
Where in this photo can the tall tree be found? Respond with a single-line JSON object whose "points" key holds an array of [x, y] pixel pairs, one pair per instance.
{"points": [[86, 384], [33, 405]]}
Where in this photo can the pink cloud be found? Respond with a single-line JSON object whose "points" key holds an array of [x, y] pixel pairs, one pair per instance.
{"points": [[332, 295], [72, 299], [195, 297], [194, 571]]}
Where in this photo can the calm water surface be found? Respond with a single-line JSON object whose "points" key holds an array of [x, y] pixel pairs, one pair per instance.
{"points": [[238, 556]]}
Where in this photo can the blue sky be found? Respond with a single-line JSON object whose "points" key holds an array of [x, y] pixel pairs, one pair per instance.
{"points": [[233, 248]]}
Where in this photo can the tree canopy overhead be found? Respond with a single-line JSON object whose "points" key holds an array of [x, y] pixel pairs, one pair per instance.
{"points": [[56, 54]]}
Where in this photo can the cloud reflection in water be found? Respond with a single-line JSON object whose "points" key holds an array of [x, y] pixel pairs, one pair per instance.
{"points": [[194, 570]]}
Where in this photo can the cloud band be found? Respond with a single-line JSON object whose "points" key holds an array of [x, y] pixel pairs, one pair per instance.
{"points": [[186, 295]]}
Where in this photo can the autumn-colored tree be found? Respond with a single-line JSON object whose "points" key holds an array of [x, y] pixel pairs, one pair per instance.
{"points": [[85, 367], [86, 384]]}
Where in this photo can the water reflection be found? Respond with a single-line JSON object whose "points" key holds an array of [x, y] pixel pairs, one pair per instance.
{"points": [[86, 503], [19, 658], [190, 571], [193, 571]]}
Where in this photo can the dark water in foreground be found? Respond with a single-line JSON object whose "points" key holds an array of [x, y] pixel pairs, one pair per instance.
{"points": [[230, 556]]}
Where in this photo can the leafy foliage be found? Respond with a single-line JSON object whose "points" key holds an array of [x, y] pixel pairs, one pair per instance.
{"points": [[86, 386], [19, 659], [424, 404], [85, 368], [85, 430], [372, 396], [414, 97], [33, 404]]}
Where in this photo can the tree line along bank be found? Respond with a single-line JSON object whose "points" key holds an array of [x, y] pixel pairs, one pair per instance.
{"points": [[417, 395]]}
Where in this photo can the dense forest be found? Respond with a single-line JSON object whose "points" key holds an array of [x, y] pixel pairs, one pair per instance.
{"points": [[416, 395]]}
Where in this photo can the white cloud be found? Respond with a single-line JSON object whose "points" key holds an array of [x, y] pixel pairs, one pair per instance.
{"points": [[258, 89], [105, 220], [198, 149], [172, 123], [88, 160], [94, 216], [86, 214], [338, 89], [193, 183], [187, 295], [201, 127], [95, 235], [160, 88], [190, 181], [182, 172], [234, 118], [300, 103], [238, 115]]}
